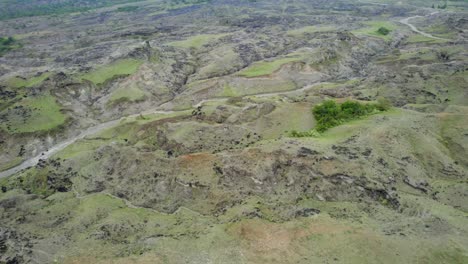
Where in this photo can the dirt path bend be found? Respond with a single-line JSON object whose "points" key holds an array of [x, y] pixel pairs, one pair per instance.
{"points": [[405, 21]]}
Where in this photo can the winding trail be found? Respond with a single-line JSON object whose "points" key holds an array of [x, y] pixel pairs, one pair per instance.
{"points": [[103, 126], [405, 21]]}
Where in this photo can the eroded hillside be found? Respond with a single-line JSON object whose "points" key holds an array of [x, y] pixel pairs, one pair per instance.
{"points": [[162, 132]]}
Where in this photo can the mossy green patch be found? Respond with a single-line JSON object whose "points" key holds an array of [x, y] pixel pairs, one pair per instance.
{"points": [[267, 67], [81, 147], [421, 54], [262, 86], [417, 38], [117, 68], [286, 117], [33, 180], [441, 30], [33, 114], [95, 207], [228, 92], [125, 132], [127, 94], [197, 41], [19, 82]]}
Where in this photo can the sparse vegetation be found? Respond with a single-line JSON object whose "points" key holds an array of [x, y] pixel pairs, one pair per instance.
{"points": [[310, 30], [267, 67], [124, 94], [29, 8], [197, 41], [34, 114], [250, 131], [417, 38], [118, 68], [18, 82], [127, 8], [7, 44]]}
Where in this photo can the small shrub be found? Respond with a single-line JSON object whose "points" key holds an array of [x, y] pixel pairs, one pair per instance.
{"points": [[443, 55], [383, 31]]}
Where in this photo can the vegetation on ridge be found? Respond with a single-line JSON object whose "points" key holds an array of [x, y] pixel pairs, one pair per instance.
{"points": [[330, 114]]}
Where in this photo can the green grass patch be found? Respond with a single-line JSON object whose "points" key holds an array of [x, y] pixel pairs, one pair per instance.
{"points": [[33, 180], [441, 30], [117, 68], [95, 207], [372, 29], [266, 67], [197, 41], [80, 147], [127, 94], [421, 54], [228, 91], [33, 114], [285, 118], [18, 82], [417, 38]]}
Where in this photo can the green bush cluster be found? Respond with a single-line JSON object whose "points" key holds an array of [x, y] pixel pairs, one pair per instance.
{"points": [[383, 31], [330, 114]]}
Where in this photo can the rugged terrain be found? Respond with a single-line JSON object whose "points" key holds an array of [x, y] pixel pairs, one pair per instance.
{"points": [[161, 132]]}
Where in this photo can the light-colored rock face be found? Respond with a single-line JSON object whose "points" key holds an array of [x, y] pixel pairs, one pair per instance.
{"points": [[163, 132]]}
